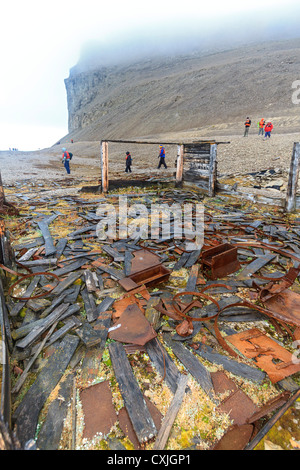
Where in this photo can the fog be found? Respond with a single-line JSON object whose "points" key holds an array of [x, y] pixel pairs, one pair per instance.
{"points": [[197, 35], [43, 42]]}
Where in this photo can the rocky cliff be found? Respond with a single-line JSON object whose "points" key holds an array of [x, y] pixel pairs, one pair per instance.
{"points": [[175, 94]]}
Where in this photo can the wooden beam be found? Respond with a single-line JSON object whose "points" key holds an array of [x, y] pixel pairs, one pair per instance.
{"points": [[179, 167], [104, 166], [135, 404], [172, 412], [212, 171], [290, 203]]}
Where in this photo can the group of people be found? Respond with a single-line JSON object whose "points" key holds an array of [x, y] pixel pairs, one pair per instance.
{"points": [[161, 156], [67, 157], [263, 128]]}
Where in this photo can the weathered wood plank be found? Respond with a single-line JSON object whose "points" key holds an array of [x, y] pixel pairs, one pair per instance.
{"points": [[92, 357], [104, 166], [290, 202], [66, 283], [27, 413], [172, 412], [163, 363], [136, 407], [50, 433], [179, 166], [235, 367], [194, 366], [255, 266], [41, 328]]}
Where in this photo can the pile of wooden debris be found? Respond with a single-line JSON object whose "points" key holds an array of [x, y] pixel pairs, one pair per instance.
{"points": [[142, 344]]}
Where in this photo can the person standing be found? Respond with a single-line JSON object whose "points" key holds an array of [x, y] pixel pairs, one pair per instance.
{"points": [[66, 157], [268, 129], [162, 156], [261, 125], [128, 162], [247, 127]]}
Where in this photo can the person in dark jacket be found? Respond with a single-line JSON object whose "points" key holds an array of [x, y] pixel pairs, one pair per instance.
{"points": [[247, 127], [162, 156], [128, 162]]}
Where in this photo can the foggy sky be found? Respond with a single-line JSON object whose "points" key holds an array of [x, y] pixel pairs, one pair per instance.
{"points": [[41, 42]]}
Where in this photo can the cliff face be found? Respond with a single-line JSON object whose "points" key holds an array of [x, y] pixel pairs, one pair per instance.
{"points": [[82, 90], [181, 93]]}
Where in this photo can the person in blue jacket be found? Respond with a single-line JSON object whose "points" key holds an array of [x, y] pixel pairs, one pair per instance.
{"points": [[162, 156]]}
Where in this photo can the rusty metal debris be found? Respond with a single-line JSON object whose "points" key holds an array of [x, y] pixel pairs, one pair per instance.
{"points": [[132, 327], [146, 269], [219, 261], [267, 354]]}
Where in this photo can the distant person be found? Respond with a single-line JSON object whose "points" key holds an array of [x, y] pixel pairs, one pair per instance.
{"points": [[72, 141], [128, 162], [247, 127], [268, 129], [66, 157], [261, 125], [162, 157]]}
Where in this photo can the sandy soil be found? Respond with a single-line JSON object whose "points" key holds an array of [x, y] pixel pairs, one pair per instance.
{"points": [[239, 157]]}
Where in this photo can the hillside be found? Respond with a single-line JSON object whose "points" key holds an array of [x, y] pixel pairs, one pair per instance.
{"points": [[207, 94]]}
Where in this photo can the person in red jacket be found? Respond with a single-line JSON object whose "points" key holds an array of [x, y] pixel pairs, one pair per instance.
{"points": [[268, 130], [66, 157]]}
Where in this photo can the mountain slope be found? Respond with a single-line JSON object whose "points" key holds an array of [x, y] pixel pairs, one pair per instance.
{"points": [[215, 92]]}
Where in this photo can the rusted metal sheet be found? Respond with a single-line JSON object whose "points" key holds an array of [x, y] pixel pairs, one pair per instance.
{"points": [[267, 354], [236, 438], [237, 404], [219, 261], [132, 327], [98, 409], [287, 304]]}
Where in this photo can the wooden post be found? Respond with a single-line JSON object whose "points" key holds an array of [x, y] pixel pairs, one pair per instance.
{"points": [[212, 170], [179, 167], [104, 166], [290, 202]]}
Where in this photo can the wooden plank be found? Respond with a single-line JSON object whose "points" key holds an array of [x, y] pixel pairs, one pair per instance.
{"points": [[163, 363], [63, 285], [235, 367], [179, 167], [89, 305], [41, 328], [194, 366], [171, 414], [44, 228], [27, 413], [255, 266], [92, 357], [50, 433], [127, 262], [135, 404], [212, 171], [290, 202], [192, 281], [104, 166], [70, 267], [29, 291]]}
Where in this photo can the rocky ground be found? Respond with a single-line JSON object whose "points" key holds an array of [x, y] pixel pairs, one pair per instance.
{"points": [[235, 159]]}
